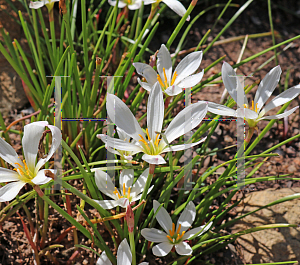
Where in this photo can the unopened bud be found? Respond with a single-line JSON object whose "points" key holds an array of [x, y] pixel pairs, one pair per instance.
{"points": [[129, 218]]}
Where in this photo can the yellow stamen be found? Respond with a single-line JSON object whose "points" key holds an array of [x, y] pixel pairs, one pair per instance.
{"points": [[179, 236], [252, 105], [173, 78], [117, 193], [124, 189], [128, 193], [170, 238], [173, 230], [256, 107], [245, 106], [156, 142], [160, 81], [178, 230], [148, 135], [165, 76], [143, 141]]}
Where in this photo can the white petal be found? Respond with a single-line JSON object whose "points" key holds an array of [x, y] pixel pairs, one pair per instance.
{"points": [[246, 113], [10, 190], [36, 5], [173, 90], [122, 135], [41, 179], [280, 116], [139, 185], [154, 159], [187, 217], [145, 85], [137, 198], [162, 249], [103, 260], [220, 109], [144, 263], [180, 147], [126, 177], [191, 80], [113, 3], [196, 230], [121, 115], [147, 2], [120, 144], [232, 83], [30, 142], [187, 66], [282, 98], [164, 61], [146, 71], [155, 111], [56, 141], [8, 154], [162, 217], [183, 248], [266, 87], [135, 6], [107, 204], [154, 235], [177, 7], [178, 125], [104, 184], [7, 175], [124, 256]]}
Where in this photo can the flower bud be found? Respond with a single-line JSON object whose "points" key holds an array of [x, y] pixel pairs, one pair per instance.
{"points": [[129, 218]]}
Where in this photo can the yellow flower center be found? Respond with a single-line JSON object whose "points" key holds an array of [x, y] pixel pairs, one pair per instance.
{"points": [[124, 192], [252, 108], [175, 236], [150, 147], [24, 172], [165, 84], [129, 2]]}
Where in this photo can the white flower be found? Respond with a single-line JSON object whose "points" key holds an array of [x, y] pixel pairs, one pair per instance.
{"points": [[125, 155], [171, 84], [132, 4], [152, 147], [173, 236], [254, 112], [39, 4], [27, 171], [126, 194], [175, 5]]}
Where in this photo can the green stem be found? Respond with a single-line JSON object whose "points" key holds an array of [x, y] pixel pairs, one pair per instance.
{"points": [[132, 247]]}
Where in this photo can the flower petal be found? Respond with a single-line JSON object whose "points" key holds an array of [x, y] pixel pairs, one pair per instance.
{"points": [[121, 115], [135, 6], [7, 175], [196, 230], [8, 154], [187, 217], [10, 190], [104, 184], [145, 85], [246, 113], [154, 159], [137, 198], [154, 235], [107, 204], [126, 177], [162, 217], [164, 61], [282, 98], [40, 178], [180, 147], [162, 249], [103, 260], [177, 7], [196, 112], [191, 80], [183, 248], [279, 116], [266, 87], [146, 71], [173, 90], [124, 255], [36, 5], [113, 3], [187, 66], [140, 183], [155, 111], [56, 141], [122, 135], [220, 109]]}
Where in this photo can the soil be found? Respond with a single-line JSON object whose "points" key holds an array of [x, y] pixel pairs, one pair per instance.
{"points": [[14, 247]]}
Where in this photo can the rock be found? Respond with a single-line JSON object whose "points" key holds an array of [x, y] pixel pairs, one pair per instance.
{"points": [[272, 245]]}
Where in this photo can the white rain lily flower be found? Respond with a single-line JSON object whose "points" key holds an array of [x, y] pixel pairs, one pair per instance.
{"points": [[171, 84], [132, 4], [173, 236], [152, 145], [27, 171], [126, 194], [255, 112], [39, 4], [124, 256], [125, 155], [175, 5]]}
